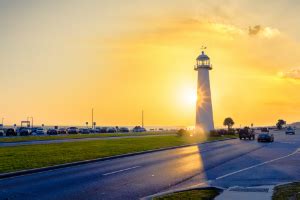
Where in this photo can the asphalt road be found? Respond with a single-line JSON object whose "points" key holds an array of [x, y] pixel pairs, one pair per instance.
{"points": [[225, 164]]}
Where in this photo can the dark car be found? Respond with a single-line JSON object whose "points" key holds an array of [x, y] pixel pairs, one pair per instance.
{"points": [[10, 132], [111, 130], [264, 130], [93, 130], [123, 130], [52, 131], [62, 131], [246, 133], [290, 131], [24, 131], [2, 132], [72, 130], [138, 129], [265, 137], [84, 131]]}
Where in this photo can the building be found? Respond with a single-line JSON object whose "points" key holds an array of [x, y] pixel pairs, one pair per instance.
{"points": [[204, 112]]}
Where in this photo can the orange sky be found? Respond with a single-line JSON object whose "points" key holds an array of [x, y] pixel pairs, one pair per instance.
{"points": [[58, 60]]}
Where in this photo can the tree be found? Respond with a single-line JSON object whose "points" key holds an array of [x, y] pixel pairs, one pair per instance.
{"points": [[280, 123], [228, 122]]}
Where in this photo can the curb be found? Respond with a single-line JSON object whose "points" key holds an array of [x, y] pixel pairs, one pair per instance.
{"points": [[54, 167], [180, 190]]}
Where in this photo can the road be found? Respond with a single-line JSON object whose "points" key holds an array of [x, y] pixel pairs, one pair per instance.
{"points": [[225, 164]]}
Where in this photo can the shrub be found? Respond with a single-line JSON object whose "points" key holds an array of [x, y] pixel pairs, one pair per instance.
{"points": [[182, 132], [214, 133]]}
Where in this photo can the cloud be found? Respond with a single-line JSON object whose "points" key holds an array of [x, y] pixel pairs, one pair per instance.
{"points": [[291, 74], [254, 30], [266, 32]]}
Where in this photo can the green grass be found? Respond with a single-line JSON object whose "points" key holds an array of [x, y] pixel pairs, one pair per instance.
{"points": [[77, 136], [35, 156], [197, 194], [289, 191]]}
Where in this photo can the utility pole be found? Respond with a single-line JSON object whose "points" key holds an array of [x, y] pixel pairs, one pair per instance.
{"points": [[2, 121], [31, 121], [92, 118], [143, 118]]}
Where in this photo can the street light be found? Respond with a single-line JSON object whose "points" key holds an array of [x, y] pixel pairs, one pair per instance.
{"points": [[31, 121]]}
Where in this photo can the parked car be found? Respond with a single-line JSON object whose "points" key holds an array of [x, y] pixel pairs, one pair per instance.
{"points": [[72, 130], [10, 132], [62, 131], [289, 130], [24, 131], [111, 130], [52, 131], [123, 130], [265, 137], [2, 132], [264, 130], [246, 133], [138, 129], [92, 130], [84, 131], [38, 131]]}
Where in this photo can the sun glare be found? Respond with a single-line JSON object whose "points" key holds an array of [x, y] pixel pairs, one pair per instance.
{"points": [[189, 96]]}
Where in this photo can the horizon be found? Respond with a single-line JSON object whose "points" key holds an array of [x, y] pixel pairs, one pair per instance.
{"points": [[60, 59]]}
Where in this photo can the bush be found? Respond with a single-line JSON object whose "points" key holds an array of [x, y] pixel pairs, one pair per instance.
{"points": [[182, 132], [214, 133]]}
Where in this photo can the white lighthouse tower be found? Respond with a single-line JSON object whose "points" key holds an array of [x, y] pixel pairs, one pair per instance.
{"points": [[204, 113]]}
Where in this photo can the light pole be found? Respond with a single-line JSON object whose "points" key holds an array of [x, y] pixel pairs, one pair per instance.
{"points": [[2, 121], [31, 121], [143, 118], [92, 118]]}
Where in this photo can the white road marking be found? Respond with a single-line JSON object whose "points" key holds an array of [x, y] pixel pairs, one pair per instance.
{"points": [[253, 166], [122, 170]]}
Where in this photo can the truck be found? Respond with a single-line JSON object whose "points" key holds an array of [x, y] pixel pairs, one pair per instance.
{"points": [[246, 133]]}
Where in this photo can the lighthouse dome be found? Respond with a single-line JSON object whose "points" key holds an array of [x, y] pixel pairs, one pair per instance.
{"points": [[202, 56]]}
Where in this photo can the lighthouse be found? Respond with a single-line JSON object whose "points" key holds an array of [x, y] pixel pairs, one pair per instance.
{"points": [[204, 112]]}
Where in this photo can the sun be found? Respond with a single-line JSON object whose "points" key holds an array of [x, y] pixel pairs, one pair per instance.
{"points": [[189, 96]]}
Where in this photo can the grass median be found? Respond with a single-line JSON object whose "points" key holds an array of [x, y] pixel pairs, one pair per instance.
{"points": [[196, 194], [79, 136], [287, 191], [35, 156]]}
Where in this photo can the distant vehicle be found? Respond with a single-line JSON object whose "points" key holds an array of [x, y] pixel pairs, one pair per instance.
{"points": [[1, 132], [138, 129], [123, 130], [290, 131], [52, 131], [265, 137], [111, 130], [62, 131], [11, 132], [92, 130], [24, 132], [264, 130], [246, 133], [72, 130], [84, 131], [37, 131]]}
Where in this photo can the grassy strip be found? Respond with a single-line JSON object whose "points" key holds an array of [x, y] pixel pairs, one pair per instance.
{"points": [[35, 156], [197, 194], [288, 191], [77, 136]]}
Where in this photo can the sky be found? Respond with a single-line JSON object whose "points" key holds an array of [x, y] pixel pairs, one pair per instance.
{"points": [[59, 59]]}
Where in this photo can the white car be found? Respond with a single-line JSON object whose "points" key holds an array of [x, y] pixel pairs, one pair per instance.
{"points": [[289, 131]]}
